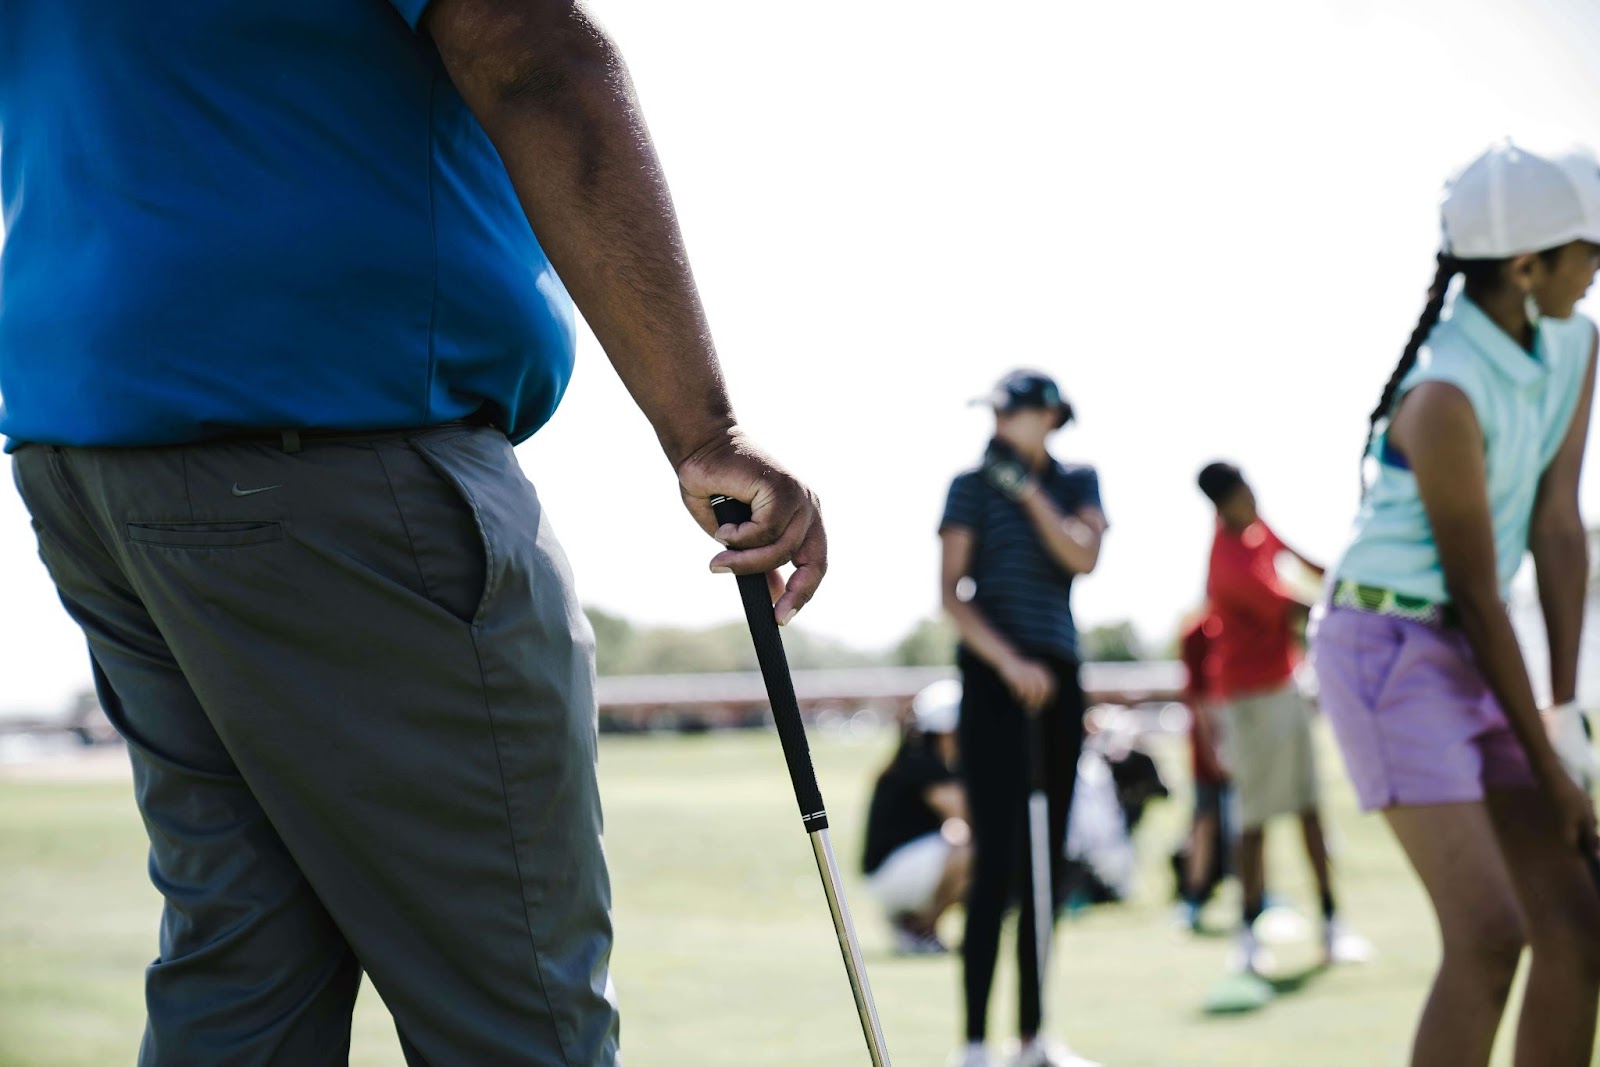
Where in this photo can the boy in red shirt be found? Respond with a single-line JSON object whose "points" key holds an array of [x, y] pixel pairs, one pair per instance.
{"points": [[1265, 723]]}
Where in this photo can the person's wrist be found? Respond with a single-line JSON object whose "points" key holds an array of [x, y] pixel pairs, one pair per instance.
{"points": [[1548, 767], [687, 441]]}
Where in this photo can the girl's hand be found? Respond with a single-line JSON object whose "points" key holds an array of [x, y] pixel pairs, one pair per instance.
{"points": [[1575, 814]]}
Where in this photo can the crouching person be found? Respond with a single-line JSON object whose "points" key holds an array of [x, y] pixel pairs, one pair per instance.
{"points": [[918, 856]]}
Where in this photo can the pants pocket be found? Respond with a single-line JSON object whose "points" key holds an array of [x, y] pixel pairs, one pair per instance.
{"points": [[204, 534], [1356, 652], [446, 538], [1376, 653]]}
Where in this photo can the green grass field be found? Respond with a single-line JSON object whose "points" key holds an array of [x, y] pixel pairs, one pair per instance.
{"points": [[725, 955]]}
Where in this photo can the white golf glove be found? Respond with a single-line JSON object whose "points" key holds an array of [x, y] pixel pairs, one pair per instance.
{"points": [[1564, 725]]}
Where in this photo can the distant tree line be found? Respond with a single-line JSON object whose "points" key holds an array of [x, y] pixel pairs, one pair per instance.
{"points": [[624, 647]]}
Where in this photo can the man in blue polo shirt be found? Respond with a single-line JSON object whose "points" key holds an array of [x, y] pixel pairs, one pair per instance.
{"points": [[1016, 532], [281, 286]]}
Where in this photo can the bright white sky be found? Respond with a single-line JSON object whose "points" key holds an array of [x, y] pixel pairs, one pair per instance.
{"points": [[1212, 222]]}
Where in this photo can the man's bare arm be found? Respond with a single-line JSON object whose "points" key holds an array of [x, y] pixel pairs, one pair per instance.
{"points": [[551, 90]]}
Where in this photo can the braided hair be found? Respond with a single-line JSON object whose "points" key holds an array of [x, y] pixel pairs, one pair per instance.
{"points": [[1480, 276], [1448, 268]]}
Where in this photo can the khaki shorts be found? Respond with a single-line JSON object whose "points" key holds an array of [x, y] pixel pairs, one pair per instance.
{"points": [[1266, 745]]}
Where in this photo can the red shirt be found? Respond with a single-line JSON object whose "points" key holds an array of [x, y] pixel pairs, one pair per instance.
{"points": [[1255, 652], [1196, 647]]}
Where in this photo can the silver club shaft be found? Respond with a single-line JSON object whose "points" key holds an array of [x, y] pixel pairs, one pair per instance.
{"points": [[1043, 905], [828, 867]]}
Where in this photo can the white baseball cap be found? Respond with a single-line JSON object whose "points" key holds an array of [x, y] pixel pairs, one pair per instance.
{"points": [[1510, 201], [937, 707]]}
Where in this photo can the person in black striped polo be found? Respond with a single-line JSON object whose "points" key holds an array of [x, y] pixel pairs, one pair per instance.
{"points": [[1016, 531]]}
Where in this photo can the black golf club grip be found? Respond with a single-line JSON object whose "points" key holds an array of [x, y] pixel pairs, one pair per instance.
{"points": [[775, 672]]}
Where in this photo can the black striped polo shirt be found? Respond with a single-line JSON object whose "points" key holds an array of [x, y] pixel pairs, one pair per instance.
{"points": [[1020, 589]]}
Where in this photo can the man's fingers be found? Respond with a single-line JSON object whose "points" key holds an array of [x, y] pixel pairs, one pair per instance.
{"points": [[772, 512], [810, 566], [767, 557], [785, 524], [802, 586]]}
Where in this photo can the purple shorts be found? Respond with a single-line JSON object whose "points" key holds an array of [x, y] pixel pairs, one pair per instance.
{"points": [[1414, 718]]}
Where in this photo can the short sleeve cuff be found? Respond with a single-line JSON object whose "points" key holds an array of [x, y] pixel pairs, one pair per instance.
{"points": [[411, 10]]}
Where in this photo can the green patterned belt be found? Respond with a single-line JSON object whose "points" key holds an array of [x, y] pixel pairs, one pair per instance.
{"points": [[1348, 594]]}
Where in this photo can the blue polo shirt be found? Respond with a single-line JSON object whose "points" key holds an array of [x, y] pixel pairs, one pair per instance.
{"points": [[1020, 588], [222, 216]]}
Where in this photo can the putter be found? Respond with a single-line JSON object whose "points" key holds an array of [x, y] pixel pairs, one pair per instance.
{"points": [[797, 753], [1039, 847]]}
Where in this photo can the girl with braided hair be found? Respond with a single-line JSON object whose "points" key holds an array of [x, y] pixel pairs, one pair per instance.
{"points": [[1472, 459]]}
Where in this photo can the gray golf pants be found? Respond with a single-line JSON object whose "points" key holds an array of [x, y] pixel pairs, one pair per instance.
{"points": [[358, 695]]}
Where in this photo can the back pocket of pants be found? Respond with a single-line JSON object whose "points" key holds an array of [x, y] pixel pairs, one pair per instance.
{"points": [[205, 534]]}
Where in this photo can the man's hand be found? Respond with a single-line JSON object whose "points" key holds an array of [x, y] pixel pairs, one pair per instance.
{"points": [[1004, 469], [1030, 682], [785, 523]]}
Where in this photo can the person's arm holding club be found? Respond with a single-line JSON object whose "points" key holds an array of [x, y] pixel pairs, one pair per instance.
{"points": [[1029, 681], [551, 90], [1560, 548]]}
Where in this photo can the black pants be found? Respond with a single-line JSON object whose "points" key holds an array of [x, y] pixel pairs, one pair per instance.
{"points": [[994, 760], [357, 692]]}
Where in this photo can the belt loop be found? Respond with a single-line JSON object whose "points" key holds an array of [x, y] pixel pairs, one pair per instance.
{"points": [[291, 441]]}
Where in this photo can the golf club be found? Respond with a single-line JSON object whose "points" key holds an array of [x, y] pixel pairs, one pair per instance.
{"points": [[797, 753], [1039, 847]]}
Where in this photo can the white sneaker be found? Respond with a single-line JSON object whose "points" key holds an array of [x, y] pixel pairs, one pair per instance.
{"points": [[1343, 945], [969, 1056], [1042, 1052]]}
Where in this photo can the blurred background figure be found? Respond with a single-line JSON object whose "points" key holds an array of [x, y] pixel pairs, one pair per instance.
{"points": [[1116, 780], [1015, 533], [1265, 721], [1202, 864], [918, 858]]}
